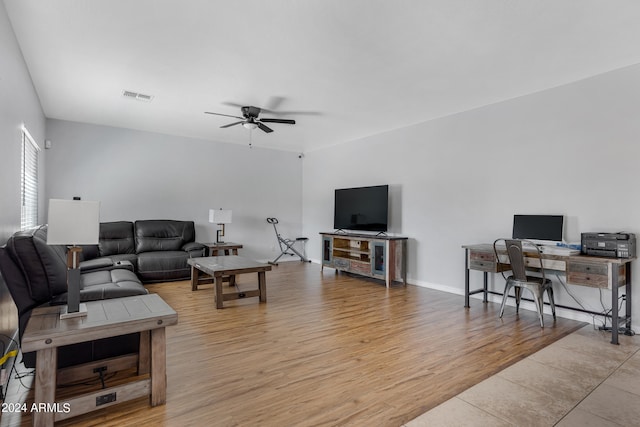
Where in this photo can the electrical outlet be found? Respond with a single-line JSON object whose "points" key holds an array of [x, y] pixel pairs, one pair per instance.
{"points": [[105, 398]]}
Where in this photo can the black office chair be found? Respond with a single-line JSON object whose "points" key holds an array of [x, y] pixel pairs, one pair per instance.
{"points": [[520, 280]]}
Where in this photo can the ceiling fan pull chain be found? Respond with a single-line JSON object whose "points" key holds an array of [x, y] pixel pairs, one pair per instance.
{"points": [[250, 135]]}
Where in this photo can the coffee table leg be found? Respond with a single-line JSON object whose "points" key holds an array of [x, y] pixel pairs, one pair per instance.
{"points": [[195, 275], [46, 365], [262, 286], [218, 284], [158, 367]]}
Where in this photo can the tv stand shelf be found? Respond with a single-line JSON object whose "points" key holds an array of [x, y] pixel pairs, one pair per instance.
{"points": [[380, 257]]}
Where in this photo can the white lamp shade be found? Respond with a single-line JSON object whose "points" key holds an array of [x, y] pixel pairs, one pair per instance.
{"points": [[220, 216], [73, 222]]}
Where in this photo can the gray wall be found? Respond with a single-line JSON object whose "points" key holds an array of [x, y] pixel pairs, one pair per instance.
{"points": [[571, 150], [18, 104], [142, 175]]}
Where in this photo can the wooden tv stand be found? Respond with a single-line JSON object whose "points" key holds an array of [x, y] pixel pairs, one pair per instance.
{"points": [[380, 257]]}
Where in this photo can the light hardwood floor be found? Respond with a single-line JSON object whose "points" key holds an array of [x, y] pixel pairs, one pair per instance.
{"points": [[326, 350]]}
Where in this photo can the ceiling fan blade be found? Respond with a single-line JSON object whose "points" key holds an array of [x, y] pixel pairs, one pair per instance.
{"points": [[287, 121], [274, 102], [272, 105], [225, 115], [264, 127], [233, 104], [232, 124]]}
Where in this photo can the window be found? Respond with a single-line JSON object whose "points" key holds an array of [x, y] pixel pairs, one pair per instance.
{"points": [[29, 181]]}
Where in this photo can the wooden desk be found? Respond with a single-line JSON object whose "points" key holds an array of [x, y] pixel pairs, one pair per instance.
{"points": [[226, 248], [45, 332], [229, 266], [581, 270]]}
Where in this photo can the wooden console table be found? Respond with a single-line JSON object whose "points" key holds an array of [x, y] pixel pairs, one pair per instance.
{"points": [[45, 332], [380, 257], [581, 270]]}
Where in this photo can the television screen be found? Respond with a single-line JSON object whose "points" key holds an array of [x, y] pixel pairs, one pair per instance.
{"points": [[538, 227], [362, 208]]}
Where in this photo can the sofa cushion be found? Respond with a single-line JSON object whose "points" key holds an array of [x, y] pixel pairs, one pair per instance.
{"points": [[163, 266], [163, 235], [106, 284], [116, 238]]}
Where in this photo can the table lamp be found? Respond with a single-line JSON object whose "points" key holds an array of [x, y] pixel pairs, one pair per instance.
{"points": [[220, 217], [73, 223]]}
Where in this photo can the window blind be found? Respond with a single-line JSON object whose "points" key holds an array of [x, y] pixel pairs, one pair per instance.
{"points": [[29, 182]]}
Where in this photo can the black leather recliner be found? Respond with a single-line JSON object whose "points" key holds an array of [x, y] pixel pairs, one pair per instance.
{"points": [[35, 274], [163, 248]]}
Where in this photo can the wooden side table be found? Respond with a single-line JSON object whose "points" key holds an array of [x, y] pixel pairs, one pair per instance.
{"points": [[226, 248], [45, 332]]}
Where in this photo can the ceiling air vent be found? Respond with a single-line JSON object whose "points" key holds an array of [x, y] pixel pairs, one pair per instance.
{"points": [[136, 95]]}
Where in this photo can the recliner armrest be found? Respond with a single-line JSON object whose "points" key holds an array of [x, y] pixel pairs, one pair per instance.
{"points": [[96, 264], [195, 249]]}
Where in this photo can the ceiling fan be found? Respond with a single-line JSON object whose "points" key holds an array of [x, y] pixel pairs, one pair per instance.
{"points": [[250, 119]]}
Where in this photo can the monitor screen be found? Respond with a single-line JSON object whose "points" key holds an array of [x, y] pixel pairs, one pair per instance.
{"points": [[362, 208], [538, 227]]}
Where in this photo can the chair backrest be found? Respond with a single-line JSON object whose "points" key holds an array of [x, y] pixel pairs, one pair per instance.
{"points": [[517, 257]]}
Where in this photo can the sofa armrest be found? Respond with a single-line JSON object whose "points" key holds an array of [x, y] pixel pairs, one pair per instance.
{"points": [[195, 249], [96, 264]]}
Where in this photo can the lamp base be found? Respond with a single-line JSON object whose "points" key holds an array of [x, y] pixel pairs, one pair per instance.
{"points": [[82, 311]]}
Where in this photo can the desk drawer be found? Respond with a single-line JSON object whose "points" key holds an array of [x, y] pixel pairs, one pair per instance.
{"points": [[587, 268], [593, 274], [586, 279], [482, 256], [475, 264]]}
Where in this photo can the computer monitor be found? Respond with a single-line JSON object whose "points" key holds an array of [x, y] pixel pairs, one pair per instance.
{"points": [[541, 229]]}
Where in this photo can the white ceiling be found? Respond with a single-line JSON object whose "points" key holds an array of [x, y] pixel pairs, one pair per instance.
{"points": [[353, 67]]}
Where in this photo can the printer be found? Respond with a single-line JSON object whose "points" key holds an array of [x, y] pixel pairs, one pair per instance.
{"points": [[611, 245]]}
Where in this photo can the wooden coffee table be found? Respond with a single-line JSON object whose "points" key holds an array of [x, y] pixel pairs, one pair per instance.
{"points": [[229, 266]]}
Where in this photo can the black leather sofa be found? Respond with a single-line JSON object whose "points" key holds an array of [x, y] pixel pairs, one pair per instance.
{"points": [[158, 249]]}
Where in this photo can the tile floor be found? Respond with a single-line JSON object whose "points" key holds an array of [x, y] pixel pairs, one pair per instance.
{"points": [[581, 380]]}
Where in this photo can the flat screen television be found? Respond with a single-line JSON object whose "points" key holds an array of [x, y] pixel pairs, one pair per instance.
{"points": [[538, 228], [362, 208]]}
